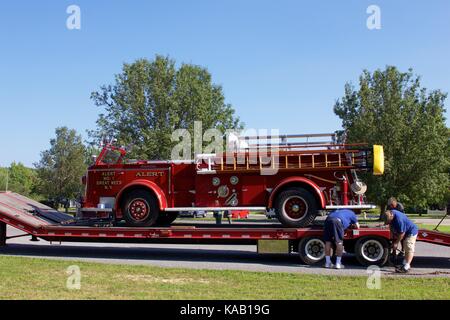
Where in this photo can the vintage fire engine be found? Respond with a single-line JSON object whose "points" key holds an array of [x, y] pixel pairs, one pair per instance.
{"points": [[296, 178]]}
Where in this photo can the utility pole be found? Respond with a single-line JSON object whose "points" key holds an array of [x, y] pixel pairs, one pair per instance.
{"points": [[7, 179]]}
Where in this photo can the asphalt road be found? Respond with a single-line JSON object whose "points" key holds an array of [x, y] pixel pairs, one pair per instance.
{"points": [[430, 259]]}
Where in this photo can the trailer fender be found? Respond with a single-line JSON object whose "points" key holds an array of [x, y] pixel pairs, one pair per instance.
{"points": [[145, 184], [298, 181]]}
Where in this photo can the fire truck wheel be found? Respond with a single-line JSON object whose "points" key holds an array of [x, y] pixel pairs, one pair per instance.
{"points": [[140, 208], [311, 250], [166, 218], [372, 251], [296, 207]]}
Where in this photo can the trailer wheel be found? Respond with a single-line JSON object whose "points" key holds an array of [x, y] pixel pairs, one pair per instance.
{"points": [[372, 251], [311, 250], [140, 208], [166, 218], [296, 207]]}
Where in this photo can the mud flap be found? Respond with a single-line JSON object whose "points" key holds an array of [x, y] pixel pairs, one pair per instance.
{"points": [[273, 246], [2, 234]]}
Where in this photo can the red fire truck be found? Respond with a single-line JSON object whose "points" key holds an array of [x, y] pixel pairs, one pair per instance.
{"points": [[296, 177]]}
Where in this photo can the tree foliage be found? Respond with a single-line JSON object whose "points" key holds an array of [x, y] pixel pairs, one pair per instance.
{"points": [[18, 178], [62, 166], [151, 99], [391, 108]]}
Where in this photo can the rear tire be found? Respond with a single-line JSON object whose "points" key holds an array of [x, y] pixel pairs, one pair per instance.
{"points": [[372, 251], [311, 250], [296, 207], [140, 208]]}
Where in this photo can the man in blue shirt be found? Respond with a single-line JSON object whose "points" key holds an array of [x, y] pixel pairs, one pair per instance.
{"points": [[393, 204], [404, 230], [335, 225]]}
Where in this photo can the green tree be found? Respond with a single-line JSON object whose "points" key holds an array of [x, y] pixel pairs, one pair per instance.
{"points": [[22, 179], [4, 175], [447, 198], [391, 108], [151, 99], [62, 166], [19, 178]]}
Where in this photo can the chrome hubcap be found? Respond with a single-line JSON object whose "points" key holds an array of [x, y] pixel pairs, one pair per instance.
{"points": [[295, 207], [315, 249], [372, 250]]}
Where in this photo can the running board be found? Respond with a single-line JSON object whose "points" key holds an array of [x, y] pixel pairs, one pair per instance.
{"points": [[215, 208], [355, 206], [331, 207]]}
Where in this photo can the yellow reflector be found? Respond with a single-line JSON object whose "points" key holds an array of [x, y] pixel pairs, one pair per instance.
{"points": [[378, 160]]}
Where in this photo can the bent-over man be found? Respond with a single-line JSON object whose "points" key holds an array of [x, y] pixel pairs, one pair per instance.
{"points": [[335, 225]]}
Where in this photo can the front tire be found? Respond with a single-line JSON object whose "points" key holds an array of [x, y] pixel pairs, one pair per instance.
{"points": [[296, 207], [372, 251], [140, 208]]}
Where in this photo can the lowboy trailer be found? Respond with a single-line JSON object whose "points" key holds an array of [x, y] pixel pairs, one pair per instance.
{"points": [[369, 244]]}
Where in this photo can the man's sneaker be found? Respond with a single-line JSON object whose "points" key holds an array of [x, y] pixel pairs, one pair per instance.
{"points": [[328, 266], [401, 270], [340, 266]]}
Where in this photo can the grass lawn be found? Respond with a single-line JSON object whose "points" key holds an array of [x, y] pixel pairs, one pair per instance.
{"points": [[29, 278], [431, 227], [426, 216]]}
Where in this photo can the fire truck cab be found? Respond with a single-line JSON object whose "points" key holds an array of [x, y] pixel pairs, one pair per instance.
{"points": [[295, 179]]}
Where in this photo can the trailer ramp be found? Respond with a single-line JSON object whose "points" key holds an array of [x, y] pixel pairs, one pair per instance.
{"points": [[435, 237], [28, 215]]}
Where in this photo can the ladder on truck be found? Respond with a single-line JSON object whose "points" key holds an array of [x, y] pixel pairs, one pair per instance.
{"points": [[287, 153]]}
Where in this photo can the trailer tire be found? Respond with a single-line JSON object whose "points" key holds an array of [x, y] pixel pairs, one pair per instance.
{"points": [[372, 251], [140, 208], [311, 250], [166, 218], [296, 207]]}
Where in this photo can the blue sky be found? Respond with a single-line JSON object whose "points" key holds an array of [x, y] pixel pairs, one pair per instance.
{"points": [[282, 64]]}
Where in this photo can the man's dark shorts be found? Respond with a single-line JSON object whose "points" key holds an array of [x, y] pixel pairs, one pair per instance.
{"points": [[333, 230]]}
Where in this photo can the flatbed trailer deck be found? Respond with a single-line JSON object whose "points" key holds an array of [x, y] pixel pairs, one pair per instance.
{"points": [[370, 244]]}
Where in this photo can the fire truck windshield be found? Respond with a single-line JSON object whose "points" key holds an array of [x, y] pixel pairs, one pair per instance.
{"points": [[110, 155]]}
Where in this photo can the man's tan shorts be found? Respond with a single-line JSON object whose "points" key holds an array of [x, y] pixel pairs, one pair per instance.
{"points": [[409, 244]]}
